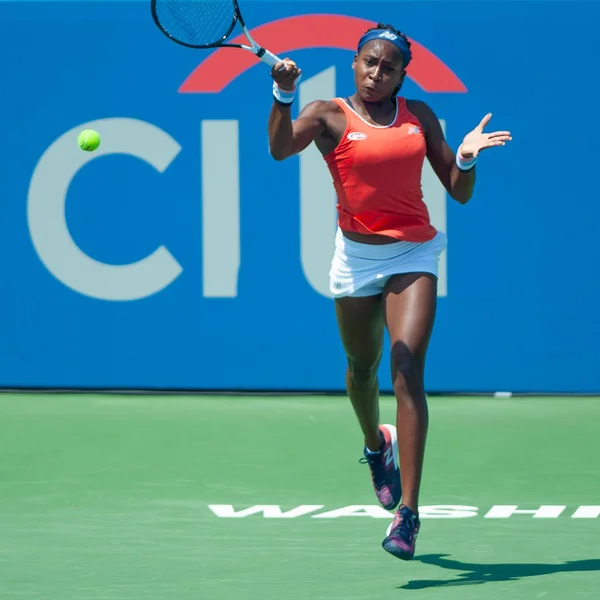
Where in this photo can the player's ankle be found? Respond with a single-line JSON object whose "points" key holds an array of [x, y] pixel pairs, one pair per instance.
{"points": [[412, 506], [374, 443]]}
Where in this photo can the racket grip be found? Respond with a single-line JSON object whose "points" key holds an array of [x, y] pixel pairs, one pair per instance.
{"points": [[270, 58]]}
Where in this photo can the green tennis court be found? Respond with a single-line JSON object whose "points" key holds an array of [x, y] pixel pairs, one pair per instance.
{"points": [[155, 497]]}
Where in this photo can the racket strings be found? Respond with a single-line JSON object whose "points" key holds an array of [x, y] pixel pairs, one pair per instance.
{"points": [[196, 22]]}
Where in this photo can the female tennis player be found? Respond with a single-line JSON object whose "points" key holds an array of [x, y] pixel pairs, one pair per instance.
{"points": [[384, 269]]}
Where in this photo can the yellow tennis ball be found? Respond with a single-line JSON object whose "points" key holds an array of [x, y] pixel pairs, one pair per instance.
{"points": [[88, 140]]}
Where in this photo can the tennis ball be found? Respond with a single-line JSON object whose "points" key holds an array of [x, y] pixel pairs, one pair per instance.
{"points": [[88, 140]]}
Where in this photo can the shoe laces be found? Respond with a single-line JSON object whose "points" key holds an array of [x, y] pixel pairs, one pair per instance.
{"points": [[406, 524], [377, 469]]}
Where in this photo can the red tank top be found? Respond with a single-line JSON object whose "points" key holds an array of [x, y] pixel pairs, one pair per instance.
{"points": [[376, 172]]}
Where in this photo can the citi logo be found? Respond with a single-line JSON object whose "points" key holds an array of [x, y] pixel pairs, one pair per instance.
{"points": [[357, 135], [221, 163]]}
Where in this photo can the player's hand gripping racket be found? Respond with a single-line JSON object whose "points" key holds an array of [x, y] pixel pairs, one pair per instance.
{"points": [[205, 24]]}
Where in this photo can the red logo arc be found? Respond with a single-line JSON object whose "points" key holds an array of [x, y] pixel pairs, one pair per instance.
{"points": [[303, 32]]}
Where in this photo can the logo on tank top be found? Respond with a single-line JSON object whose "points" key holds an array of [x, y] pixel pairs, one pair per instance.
{"points": [[414, 130], [357, 135]]}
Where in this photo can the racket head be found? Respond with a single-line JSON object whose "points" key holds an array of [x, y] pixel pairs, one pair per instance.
{"points": [[196, 23]]}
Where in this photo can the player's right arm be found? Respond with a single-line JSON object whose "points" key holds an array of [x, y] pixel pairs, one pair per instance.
{"points": [[287, 137]]}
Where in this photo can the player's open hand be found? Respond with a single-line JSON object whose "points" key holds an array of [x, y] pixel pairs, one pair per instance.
{"points": [[476, 141], [285, 74]]}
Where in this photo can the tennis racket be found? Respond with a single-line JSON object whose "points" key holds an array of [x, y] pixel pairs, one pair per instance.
{"points": [[205, 24]]}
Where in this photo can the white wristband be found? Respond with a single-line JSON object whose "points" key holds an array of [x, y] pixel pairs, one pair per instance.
{"points": [[465, 165], [285, 97]]}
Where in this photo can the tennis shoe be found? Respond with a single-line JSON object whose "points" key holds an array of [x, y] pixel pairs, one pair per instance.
{"points": [[385, 471], [401, 536]]}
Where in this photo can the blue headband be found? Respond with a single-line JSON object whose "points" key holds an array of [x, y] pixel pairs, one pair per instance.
{"points": [[388, 36]]}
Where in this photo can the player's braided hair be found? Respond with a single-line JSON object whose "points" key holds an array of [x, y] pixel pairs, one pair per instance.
{"points": [[397, 32]]}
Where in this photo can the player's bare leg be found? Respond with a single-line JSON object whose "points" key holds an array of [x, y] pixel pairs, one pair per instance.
{"points": [[361, 325], [410, 306]]}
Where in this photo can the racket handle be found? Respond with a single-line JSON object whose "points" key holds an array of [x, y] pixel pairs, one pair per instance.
{"points": [[272, 60], [269, 58]]}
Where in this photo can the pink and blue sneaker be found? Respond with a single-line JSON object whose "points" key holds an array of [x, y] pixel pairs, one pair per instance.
{"points": [[385, 471], [401, 536]]}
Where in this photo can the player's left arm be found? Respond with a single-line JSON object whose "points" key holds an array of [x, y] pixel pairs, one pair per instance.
{"points": [[459, 181]]}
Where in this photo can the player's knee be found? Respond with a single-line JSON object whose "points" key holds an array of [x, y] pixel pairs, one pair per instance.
{"points": [[363, 372], [407, 371]]}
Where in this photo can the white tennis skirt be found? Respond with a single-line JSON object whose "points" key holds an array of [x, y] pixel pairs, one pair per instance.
{"points": [[359, 269]]}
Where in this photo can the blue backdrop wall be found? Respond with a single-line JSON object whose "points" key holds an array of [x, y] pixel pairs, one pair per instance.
{"points": [[180, 255]]}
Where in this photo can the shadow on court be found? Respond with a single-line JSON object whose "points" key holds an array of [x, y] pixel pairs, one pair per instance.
{"points": [[475, 573]]}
